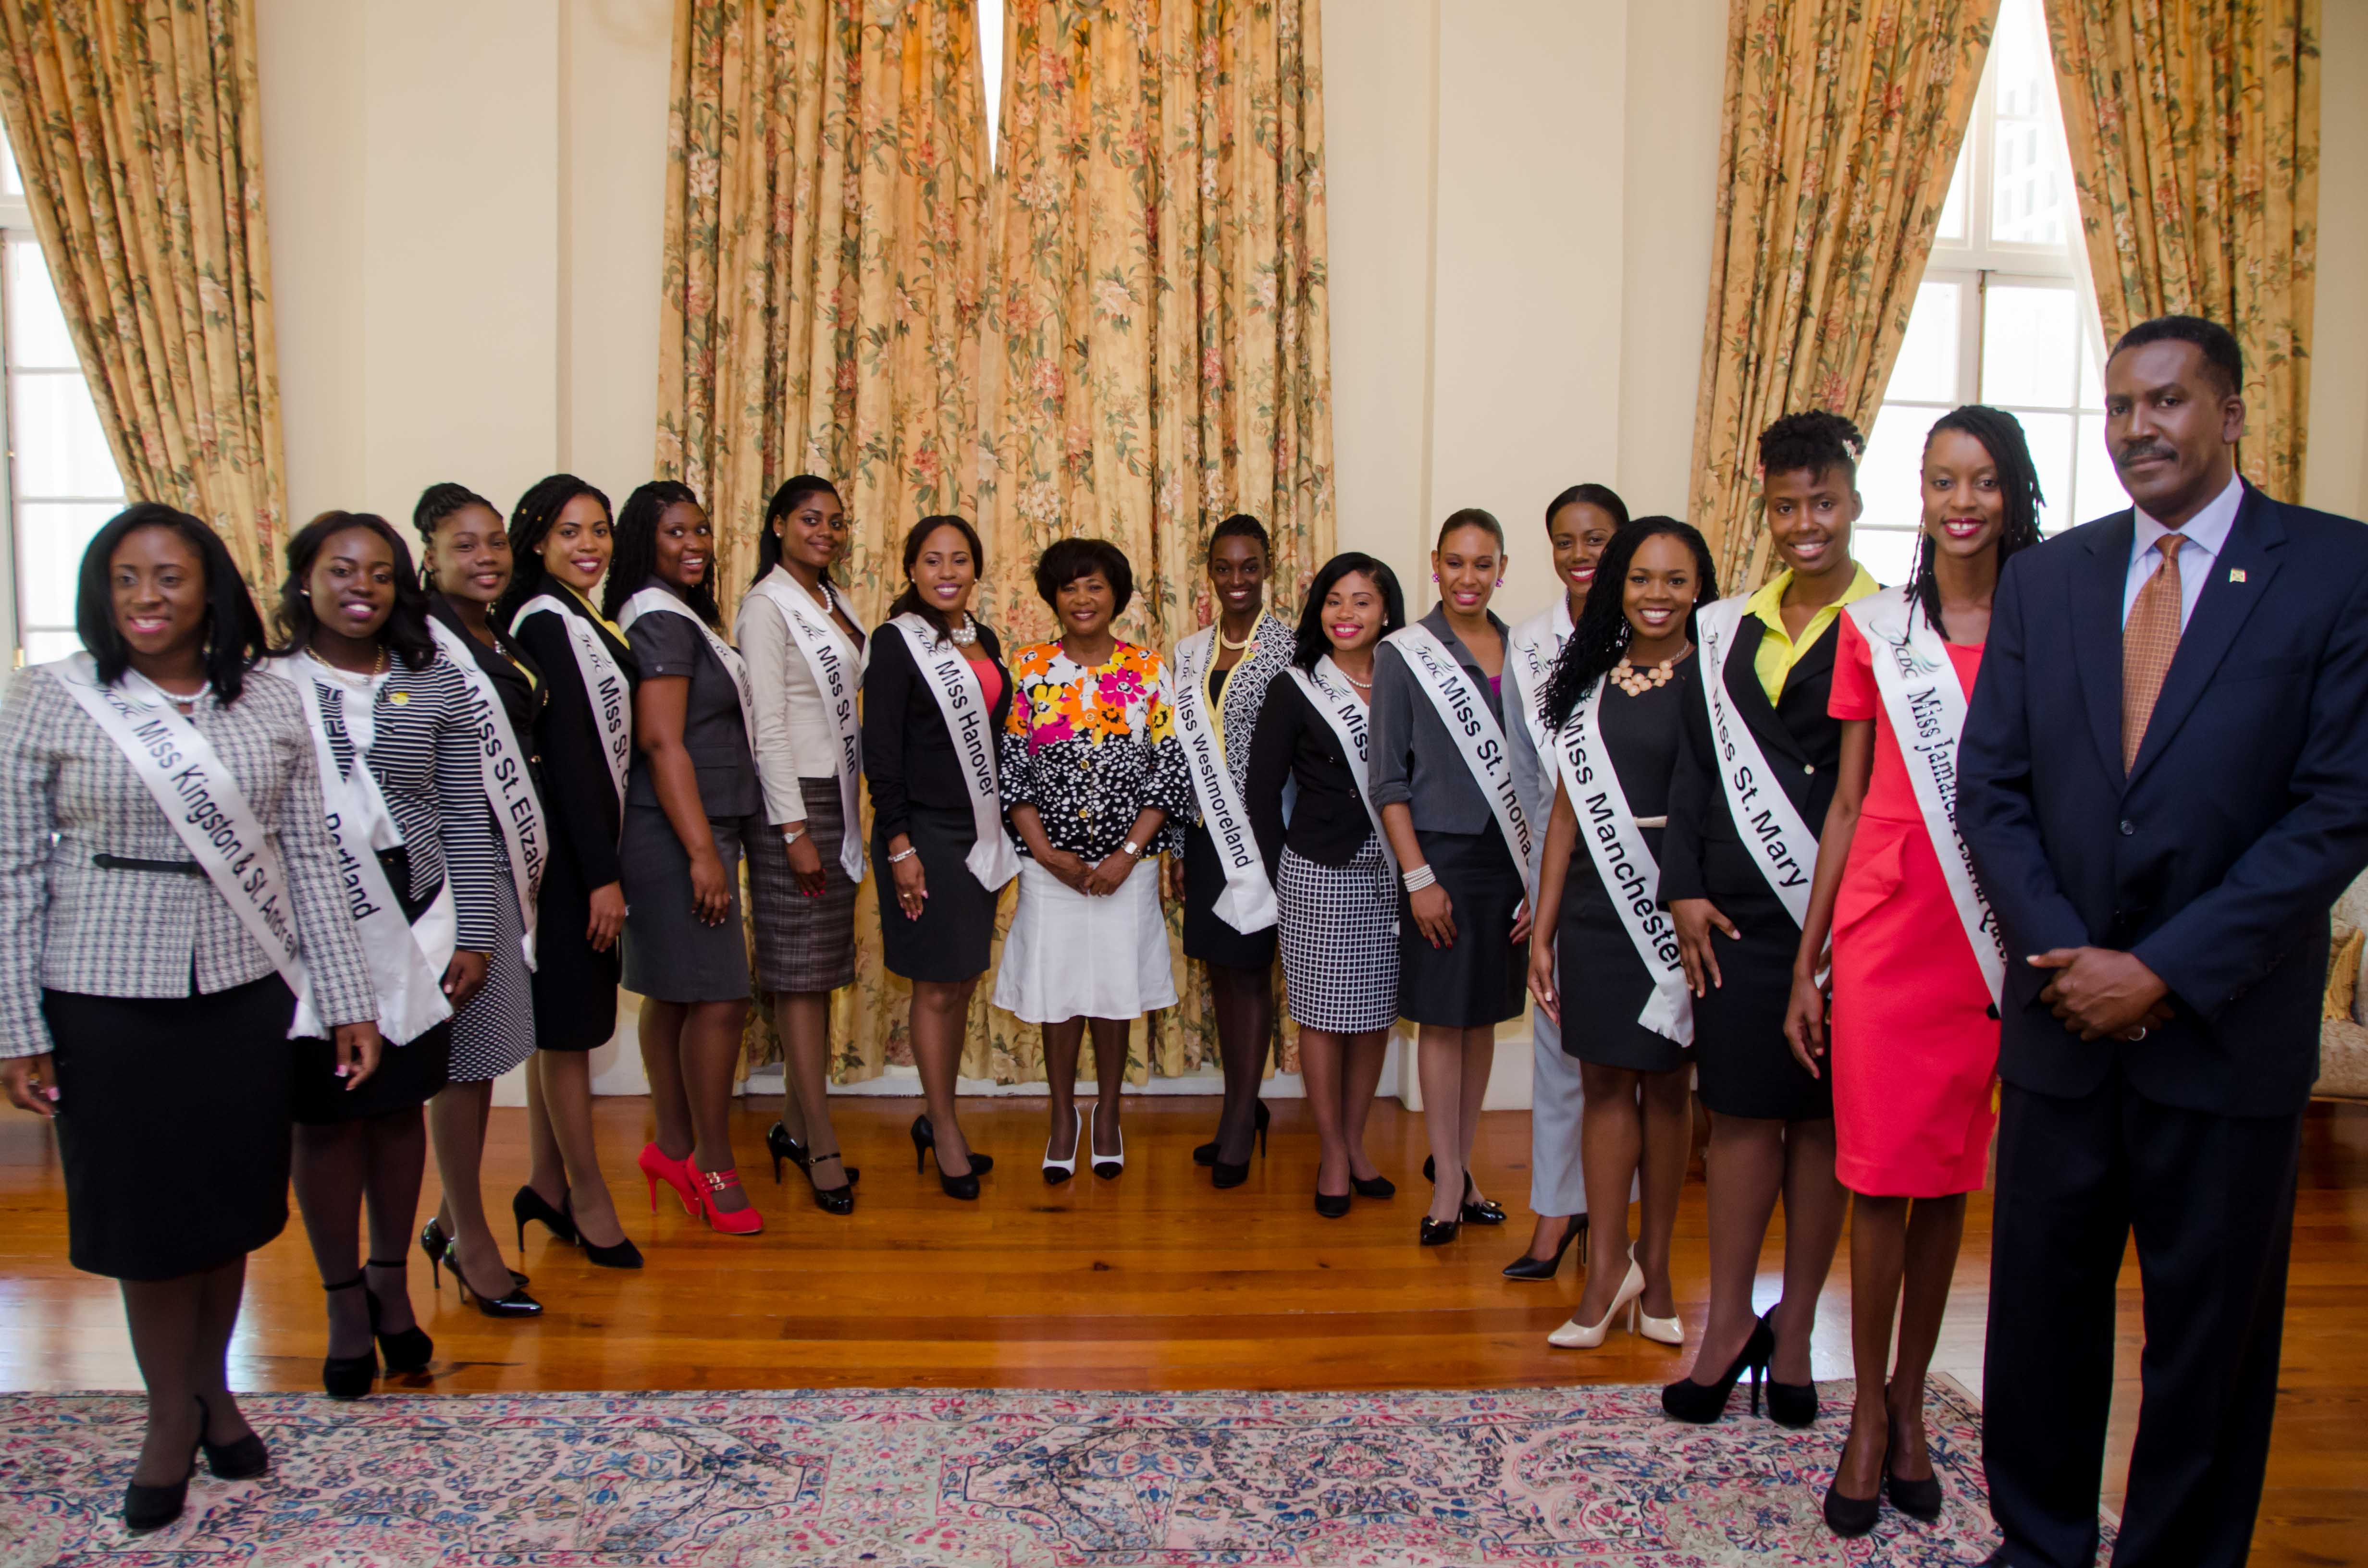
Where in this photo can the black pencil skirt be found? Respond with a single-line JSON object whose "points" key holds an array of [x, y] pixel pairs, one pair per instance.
{"points": [[1206, 937], [951, 942], [173, 1119], [1482, 978], [408, 1074]]}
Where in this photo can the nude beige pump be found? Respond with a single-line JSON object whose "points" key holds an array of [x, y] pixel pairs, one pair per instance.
{"points": [[1576, 1336]]}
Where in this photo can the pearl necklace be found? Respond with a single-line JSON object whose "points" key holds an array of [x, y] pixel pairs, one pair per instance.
{"points": [[1636, 682], [966, 635]]}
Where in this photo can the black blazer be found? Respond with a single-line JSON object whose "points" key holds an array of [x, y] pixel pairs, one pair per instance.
{"points": [[2215, 861], [1702, 856], [908, 757], [524, 693], [1294, 742], [576, 795]]}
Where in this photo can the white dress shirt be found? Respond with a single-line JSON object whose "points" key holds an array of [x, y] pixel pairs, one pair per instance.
{"points": [[2203, 538]]}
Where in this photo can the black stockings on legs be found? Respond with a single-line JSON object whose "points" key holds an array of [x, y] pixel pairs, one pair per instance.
{"points": [[1751, 1162], [181, 1335], [941, 1012], [341, 1168], [1243, 1002]]}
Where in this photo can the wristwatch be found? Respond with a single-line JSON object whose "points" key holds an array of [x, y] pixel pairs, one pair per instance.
{"points": [[1132, 849], [791, 835]]}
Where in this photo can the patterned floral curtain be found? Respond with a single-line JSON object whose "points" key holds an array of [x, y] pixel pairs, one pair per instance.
{"points": [[2193, 128], [824, 249], [1157, 352], [1842, 122], [138, 130]]}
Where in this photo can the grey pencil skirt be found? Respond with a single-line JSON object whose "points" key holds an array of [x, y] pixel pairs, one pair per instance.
{"points": [[805, 944]]}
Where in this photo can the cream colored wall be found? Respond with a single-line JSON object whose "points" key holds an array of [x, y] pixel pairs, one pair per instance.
{"points": [[1520, 207], [465, 202], [2335, 477]]}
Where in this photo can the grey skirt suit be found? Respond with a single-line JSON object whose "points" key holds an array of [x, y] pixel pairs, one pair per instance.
{"points": [[670, 954]]}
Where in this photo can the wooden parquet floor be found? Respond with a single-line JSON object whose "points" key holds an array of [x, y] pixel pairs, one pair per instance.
{"points": [[1152, 1281]]}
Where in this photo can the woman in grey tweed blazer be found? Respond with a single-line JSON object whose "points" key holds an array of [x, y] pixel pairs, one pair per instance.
{"points": [[136, 1011]]}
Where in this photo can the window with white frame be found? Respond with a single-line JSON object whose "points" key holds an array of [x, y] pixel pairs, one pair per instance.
{"points": [[60, 481], [2003, 316]]}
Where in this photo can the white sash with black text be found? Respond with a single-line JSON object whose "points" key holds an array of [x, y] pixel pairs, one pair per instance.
{"points": [[1537, 642], [1472, 727], [509, 783], [819, 639], [962, 701], [1247, 902], [201, 798], [1765, 817], [655, 600], [1328, 690], [1631, 876], [1921, 691], [605, 685], [407, 958]]}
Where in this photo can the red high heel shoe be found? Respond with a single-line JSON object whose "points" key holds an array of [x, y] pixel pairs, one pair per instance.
{"points": [[677, 1174], [739, 1221]]}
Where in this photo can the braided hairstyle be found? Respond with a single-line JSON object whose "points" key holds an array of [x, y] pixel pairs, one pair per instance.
{"points": [[2000, 433], [636, 561], [532, 521], [437, 502], [1812, 442], [1600, 638]]}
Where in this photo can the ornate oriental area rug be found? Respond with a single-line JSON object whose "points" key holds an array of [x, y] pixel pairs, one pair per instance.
{"points": [[923, 1479]]}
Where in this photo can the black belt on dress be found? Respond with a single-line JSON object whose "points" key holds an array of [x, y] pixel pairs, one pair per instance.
{"points": [[170, 868]]}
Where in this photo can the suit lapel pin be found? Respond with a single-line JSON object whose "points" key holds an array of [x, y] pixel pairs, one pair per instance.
{"points": [[2236, 573]]}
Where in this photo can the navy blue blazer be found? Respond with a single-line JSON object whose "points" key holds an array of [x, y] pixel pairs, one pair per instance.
{"points": [[2216, 858]]}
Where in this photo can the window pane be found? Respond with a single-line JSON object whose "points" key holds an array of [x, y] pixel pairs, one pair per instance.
{"points": [[60, 448], [2050, 436], [1952, 210], [41, 647], [2030, 346], [1926, 371], [50, 538], [1891, 474], [37, 328], [2092, 376], [11, 183], [1888, 553], [2029, 201], [2098, 488]]}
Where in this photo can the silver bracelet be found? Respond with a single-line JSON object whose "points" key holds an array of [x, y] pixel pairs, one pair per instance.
{"points": [[900, 859], [1418, 878]]}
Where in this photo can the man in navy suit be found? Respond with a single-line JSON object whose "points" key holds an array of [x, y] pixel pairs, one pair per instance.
{"points": [[2165, 785]]}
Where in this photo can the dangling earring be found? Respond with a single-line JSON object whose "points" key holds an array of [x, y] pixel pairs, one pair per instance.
{"points": [[1434, 576], [1501, 582]]}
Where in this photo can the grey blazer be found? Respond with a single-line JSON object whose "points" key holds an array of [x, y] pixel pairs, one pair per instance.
{"points": [[67, 796], [1415, 761], [713, 731]]}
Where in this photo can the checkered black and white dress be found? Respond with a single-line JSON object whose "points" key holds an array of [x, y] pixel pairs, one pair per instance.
{"points": [[1339, 938]]}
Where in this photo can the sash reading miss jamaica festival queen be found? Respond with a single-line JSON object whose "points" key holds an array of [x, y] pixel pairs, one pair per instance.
{"points": [[1926, 703]]}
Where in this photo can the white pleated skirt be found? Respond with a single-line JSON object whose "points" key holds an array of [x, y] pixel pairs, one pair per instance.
{"points": [[1068, 956]]}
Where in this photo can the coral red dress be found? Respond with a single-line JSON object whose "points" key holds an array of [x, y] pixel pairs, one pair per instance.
{"points": [[1915, 1040]]}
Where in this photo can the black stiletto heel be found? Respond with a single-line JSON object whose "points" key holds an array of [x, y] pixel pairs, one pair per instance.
{"points": [[1206, 1154], [1919, 1500], [924, 1143], [406, 1351], [516, 1304], [433, 1241], [344, 1377], [241, 1460], [784, 1147], [1439, 1233], [1376, 1187], [1332, 1205], [1703, 1404], [1528, 1267], [526, 1204]]}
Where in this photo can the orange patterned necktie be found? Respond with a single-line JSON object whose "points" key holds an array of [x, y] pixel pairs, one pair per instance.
{"points": [[2149, 642]]}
